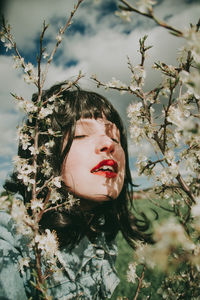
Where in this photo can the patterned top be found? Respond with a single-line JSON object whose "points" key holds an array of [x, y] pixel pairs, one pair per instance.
{"points": [[86, 272]]}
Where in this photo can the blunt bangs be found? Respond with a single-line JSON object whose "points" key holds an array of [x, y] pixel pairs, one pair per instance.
{"points": [[84, 104]]}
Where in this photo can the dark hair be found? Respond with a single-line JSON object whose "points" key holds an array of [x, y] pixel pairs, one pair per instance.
{"points": [[71, 225]]}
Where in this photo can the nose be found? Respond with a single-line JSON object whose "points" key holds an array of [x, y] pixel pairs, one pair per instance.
{"points": [[106, 144]]}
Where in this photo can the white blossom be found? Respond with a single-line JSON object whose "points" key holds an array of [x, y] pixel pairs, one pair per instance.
{"points": [[55, 196], [51, 132], [141, 163], [24, 140], [30, 78], [177, 116], [18, 62], [29, 67], [47, 242], [33, 150], [27, 106], [134, 110], [192, 81], [50, 144], [37, 204], [136, 133], [193, 42], [52, 98], [145, 5], [23, 262], [27, 180], [71, 201], [170, 156], [139, 74], [173, 170], [172, 233], [45, 55], [24, 170], [59, 38], [45, 111], [164, 177], [8, 46], [168, 174], [20, 215], [131, 273], [22, 165], [46, 168], [124, 15], [115, 83], [56, 181]]}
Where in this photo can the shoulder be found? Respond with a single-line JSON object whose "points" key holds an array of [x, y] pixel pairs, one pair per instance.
{"points": [[11, 282], [7, 228], [10, 239]]}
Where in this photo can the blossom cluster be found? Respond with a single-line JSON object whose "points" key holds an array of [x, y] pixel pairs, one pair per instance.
{"points": [[167, 118], [34, 171]]}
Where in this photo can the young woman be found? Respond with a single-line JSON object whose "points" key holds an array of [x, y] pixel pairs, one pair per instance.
{"points": [[90, 154]]}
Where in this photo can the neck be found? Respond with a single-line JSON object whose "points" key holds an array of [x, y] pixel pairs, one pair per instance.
{"points": [[89, 205]]}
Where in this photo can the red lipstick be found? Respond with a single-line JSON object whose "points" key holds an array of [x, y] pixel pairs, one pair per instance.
{"points": [[107, 168]]}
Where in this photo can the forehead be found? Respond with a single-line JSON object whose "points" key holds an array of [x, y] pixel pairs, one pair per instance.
{"points": [[98, 124]]}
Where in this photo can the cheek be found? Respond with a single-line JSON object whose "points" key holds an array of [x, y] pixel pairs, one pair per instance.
{"points": [[69, 168], [120, 157]]}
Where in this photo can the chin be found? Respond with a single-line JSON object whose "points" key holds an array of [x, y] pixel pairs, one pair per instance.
{"points": [[98, 198]]}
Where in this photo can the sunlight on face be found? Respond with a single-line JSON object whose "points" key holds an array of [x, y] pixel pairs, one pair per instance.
{"points": [[95, 165]]}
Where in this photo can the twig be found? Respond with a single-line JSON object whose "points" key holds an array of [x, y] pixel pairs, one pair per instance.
{"points": [[151, 16], [34, 194], [140, 279], [39, 59], [121, 89], [13, 43], [62, 31]]}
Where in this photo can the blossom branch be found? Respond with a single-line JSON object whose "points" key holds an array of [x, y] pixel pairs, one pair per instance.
{"points": [[150, 15], [34, 164], [59, 40], [120, 89]]}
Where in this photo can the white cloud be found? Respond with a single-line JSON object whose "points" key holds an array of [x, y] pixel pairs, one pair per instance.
{"points": [[102, 50]]}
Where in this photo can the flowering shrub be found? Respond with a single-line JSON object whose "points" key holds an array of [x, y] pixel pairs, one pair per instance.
{"points": [[44, 245], [174, 136]]}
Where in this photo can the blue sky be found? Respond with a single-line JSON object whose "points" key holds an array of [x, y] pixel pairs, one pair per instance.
{"points": [[97, 42]]}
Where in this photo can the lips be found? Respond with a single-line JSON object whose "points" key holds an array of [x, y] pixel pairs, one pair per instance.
{"points": [[107, 168]]}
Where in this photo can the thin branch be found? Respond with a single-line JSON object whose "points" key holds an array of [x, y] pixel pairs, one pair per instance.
{"points": [[166, 123], [151, 16], [39, 59], [120, 89], [62, 31], [34, 194], [140, 279], [13, 43], [185, 188]]}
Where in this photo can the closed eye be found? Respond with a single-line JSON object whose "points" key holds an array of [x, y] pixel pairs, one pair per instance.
{"points": [[114, 140], [80, 136]]}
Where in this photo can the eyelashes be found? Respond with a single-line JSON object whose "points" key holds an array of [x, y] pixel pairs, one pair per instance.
{"points": [[82, 136], [114, 140]]}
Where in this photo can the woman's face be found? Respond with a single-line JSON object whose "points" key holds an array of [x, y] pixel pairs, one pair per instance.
{"points": [[95, 165]]}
